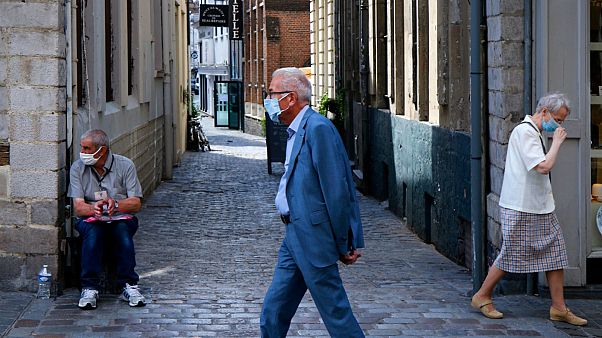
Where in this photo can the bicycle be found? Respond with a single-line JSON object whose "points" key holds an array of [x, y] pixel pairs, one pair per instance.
{"points": [[197, 140]]}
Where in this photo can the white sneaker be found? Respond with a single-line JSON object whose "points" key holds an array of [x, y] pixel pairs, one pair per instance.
{"points": [[87, 300], [132, 295]]}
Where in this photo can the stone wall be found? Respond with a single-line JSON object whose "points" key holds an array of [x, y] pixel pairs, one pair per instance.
{"points": [[505, 65], [32, 123], [505, 88], [254, 126], [424, 171]]}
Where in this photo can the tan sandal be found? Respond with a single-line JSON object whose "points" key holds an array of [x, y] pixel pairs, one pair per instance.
{"points": [[481, 305]]}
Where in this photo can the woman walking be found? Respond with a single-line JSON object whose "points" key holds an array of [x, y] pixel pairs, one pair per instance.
{"points": [[532, 237]]}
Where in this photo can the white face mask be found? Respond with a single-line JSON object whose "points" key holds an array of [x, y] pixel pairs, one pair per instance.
{"points": [[89, 159]]}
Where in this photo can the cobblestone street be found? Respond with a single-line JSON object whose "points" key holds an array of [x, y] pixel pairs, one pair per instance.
{"points": [[206, 250]]}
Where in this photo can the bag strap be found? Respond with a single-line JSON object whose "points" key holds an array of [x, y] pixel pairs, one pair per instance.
{"points": [[545, 151]]}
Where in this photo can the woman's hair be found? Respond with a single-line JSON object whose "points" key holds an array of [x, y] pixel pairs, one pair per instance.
{"points": [[553, 102], [294, 79], [99, 138]]}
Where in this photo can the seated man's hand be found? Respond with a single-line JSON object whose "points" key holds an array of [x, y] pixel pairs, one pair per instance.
{"points": [[98, 205], [351, 257], [111, 206]]}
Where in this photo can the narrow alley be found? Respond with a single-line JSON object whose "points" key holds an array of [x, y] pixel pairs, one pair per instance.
{"points": [[206, 250]]}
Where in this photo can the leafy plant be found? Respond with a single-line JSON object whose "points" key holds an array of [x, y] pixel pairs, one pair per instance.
{"points": [[263, 127], [324, 102], [336, 106]]}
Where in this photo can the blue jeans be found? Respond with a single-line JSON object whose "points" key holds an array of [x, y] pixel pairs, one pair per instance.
{"points": [[95, 237]]}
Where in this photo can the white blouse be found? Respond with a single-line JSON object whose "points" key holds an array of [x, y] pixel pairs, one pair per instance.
{"points": [[524, 189]]}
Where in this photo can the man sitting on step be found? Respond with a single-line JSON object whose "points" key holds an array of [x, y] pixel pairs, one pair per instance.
{"points": [[106, 193]]}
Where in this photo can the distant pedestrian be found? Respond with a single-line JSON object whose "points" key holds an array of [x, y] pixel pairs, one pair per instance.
{"points": [[317, 203], [106, 194], [532, 237]]}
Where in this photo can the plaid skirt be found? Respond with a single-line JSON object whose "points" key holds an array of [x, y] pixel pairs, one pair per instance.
{"points": [[531, 243]]}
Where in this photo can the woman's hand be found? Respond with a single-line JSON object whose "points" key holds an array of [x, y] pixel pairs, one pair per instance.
{"points": [[559, 135]]}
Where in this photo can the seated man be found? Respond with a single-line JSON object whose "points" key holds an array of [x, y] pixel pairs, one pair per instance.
{"points": [[106, 193]]}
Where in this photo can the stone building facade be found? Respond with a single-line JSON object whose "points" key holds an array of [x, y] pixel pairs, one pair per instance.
{"points": [[70, 66], [402, 71], [276, 35]]}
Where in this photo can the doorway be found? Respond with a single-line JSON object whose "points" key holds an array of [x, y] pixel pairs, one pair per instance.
{"points": [[594, 229], [227, 104]]}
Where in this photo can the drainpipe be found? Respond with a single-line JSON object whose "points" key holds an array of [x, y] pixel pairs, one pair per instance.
{"points": [[527, 101], [364, 96], [476, 190], [69, 65], [189, 58], [69, 39], [167, 92]]}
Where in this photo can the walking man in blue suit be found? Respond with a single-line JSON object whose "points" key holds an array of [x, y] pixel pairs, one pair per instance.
{"points": [[317, 203]]}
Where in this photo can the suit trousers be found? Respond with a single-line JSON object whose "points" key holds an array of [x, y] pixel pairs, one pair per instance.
{"points": [[293, 276]]}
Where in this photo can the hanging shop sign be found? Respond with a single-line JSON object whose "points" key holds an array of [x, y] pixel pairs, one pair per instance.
{"points": [[213, 15], [236, 32]]}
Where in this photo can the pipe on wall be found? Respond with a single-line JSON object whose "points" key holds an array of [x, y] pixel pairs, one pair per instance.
{"points": [[364, 86], [478, 234], [168, 110], [528, 99]]}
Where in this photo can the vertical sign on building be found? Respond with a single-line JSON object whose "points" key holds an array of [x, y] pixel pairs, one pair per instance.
{"points": [[236, 32]]}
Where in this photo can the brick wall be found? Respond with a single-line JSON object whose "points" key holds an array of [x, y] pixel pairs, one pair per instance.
{"points": [[291, 47], [32, 139], [277, 36]]}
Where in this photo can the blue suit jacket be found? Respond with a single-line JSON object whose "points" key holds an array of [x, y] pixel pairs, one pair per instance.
{"points": [[321, 193]]}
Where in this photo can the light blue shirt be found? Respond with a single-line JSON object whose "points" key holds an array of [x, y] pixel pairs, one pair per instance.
{"points": [[281, 202]]}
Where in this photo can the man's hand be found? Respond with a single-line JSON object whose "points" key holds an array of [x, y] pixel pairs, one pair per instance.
{"points": [[98, 206], [350, 257], [110, 206]]}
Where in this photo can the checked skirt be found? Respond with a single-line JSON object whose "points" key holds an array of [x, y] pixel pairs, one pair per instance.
{"points": [[531, 243]]}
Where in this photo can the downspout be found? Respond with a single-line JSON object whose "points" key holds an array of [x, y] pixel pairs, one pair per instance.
{"points": [[188, 48], [476, 190], [364, 96], [69, 66], [167, 93], [68, 227], [527, 100]]}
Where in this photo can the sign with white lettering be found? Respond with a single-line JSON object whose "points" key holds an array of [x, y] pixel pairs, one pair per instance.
{"points": [[213, 15], [236, 17]]}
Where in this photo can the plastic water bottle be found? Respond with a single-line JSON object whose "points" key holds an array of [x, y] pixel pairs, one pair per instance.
{"points": [[44, 282]]}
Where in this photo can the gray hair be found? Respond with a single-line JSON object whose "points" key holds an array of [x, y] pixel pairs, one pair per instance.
{"points": [[98, 137], [294, 79], [553, 102]]}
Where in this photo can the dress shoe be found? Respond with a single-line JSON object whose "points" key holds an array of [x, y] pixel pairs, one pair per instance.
{"points": [[566, 316], [481, 305]]}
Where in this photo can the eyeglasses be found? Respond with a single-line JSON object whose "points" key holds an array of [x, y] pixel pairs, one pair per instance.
{"points": [[559, 121], [269, 95]]}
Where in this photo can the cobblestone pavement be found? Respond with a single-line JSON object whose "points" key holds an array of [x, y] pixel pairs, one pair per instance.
{"points": [[207, 246]]}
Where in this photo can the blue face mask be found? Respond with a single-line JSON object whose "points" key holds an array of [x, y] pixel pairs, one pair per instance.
{"points": [[272, 106], [551, 125]]}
